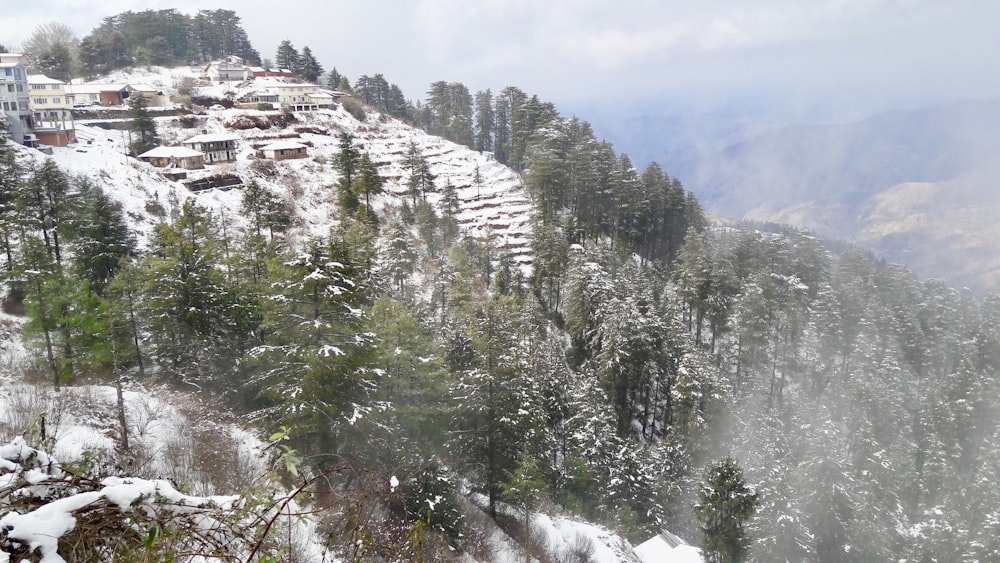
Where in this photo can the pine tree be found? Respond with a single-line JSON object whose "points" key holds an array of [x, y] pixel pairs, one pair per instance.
{"points": [[313, 371], [369, 183], [103, 239], [287, 57], [141, 125], [725, 505], [346, 162], [186, 299], [309, 68]]}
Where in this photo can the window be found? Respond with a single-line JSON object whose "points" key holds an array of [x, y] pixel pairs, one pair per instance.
{"points": [[10, 87], [37, 86], [7, 71], [56, 101], [41, 101]]}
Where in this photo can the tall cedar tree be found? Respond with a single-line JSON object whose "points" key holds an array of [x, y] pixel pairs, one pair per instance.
{"points": [[725, 505]]}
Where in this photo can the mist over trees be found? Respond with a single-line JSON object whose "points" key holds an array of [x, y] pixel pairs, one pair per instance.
{"points": [[755, 389]]}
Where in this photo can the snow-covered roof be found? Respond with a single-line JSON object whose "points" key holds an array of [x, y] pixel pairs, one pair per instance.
{"points": [[320, 95], [142, 87], [283, 146], [9, 65], [42, 79], [171, 152], [212, 138], [661, 549]]}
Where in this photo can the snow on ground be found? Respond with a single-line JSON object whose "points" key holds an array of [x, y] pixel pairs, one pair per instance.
{"points": [[498, 207]]}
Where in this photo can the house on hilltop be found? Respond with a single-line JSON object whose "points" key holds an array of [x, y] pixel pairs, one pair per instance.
{"points": [[114, 94], [14, 98], [217, 147], [96, 94], [174, 157], [231, 69], [667, 548], [51, 111], [296, 96], [284, 150]]}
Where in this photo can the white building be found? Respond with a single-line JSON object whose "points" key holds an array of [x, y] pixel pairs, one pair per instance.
{"points": [[14, 98], [217, 147], [296, 96], [51, 110]]}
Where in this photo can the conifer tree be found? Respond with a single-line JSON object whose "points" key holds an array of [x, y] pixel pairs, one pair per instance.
{"points": [[142, 127], [725, 505], [309, 68], [287, 56]]}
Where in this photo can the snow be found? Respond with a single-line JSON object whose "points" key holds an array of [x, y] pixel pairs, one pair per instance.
{"points": [[212, 138], [497, 208], [282, 145], [659, 550], [170, 152]]}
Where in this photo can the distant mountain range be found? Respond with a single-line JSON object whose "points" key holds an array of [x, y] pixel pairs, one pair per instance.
{"points": [[918, 187]]}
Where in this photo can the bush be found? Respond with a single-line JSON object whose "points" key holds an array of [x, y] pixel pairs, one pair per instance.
{"points": [[355, 108]]}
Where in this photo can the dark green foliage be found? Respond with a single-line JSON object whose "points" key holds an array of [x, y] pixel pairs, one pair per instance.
{"points": [[164, 37], [375, 91], [287, 56], [308, 67], [191, 311], [448, 112], [103, 239], [347, 163], [369, 182], [142, 128], [312, 371], [264, 210], [218, 33], [725, 505]]}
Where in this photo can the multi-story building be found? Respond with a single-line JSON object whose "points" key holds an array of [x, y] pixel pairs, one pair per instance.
{"points": [[51, 110], [14, 98], [291, 95], [218, 147]]}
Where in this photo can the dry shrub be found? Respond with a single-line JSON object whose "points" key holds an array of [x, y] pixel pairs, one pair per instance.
{"points": [[264, 167], [355, 108], [579, 550], [244, 122]]}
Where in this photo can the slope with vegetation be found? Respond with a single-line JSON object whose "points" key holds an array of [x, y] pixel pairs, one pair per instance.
{"points": [[592, 344]]}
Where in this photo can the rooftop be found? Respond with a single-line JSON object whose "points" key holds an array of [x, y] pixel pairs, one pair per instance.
{"points": [[212, 138], [171, 152]]}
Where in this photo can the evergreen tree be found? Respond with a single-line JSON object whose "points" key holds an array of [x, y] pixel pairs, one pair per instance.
{"points": [[309, 68], [347, 160], [186, 300], [103, 239], [369, 182], [287, 56], [485, 121], [141, 126], [333, 79], [313, 370], [725, 505]]}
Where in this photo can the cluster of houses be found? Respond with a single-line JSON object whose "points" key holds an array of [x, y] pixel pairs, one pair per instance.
{"points": [[39, 108], [212, 148]]}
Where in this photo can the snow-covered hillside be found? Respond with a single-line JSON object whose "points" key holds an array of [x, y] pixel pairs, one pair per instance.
{"points": [[497, 206]]}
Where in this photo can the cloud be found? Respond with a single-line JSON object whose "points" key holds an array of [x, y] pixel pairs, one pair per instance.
{"points": [[820, 52]]}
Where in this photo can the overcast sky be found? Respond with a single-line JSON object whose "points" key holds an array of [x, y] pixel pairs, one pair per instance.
{"points": [[801, 58]]}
